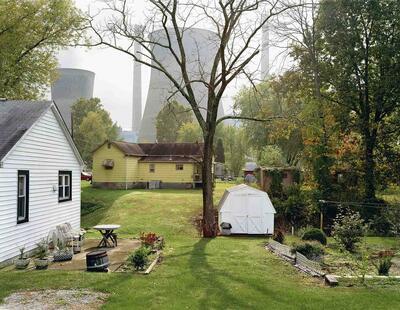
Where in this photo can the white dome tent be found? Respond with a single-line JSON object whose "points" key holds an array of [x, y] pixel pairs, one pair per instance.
{"points": [[248, 210]]}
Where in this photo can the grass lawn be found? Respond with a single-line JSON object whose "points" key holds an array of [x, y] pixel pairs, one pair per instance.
{"points": [[225, 272]]}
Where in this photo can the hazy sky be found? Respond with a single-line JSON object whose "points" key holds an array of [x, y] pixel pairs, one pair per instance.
{"points": [[114, 72]]}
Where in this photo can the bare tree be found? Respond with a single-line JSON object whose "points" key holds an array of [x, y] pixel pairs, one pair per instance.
{"points": [[236, 25]]}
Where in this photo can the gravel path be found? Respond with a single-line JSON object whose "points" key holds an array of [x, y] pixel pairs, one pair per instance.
{"points": [[54, 299]]}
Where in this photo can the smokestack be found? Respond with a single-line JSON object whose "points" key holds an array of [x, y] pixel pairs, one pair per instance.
{"points": [[265, 52], [137, 90]]}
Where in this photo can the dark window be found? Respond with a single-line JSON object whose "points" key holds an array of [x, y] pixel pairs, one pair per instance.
{"points": [[23, 196], [284, 175], [64, 185], [152, 168], [179, 166]]}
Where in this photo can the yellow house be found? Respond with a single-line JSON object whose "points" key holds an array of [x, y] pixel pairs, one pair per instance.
{"points": [[147, 165]]}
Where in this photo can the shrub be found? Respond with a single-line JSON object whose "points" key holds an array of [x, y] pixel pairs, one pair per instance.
{"points": [[349, 229], [295, 207], [315, 234], [42, 249], [384, 265], [311, 250], [279, 236], [148, 239], [140, 258], [384, 262]]}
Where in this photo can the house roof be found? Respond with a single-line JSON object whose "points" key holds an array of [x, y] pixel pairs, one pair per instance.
{"points": [[18, 116], [161, 152], [248, 190], [250, 166], [130, 149]]}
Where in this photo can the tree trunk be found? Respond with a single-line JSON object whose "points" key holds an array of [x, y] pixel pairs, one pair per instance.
{"points": [[209, 225], [369, 166]]}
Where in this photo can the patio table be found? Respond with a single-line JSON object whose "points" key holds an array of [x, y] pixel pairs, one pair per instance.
{"points": [[108, 236]]}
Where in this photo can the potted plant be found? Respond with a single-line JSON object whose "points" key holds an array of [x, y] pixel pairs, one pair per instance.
{"points": [[22, 261], [62, 252], [41, 260]]}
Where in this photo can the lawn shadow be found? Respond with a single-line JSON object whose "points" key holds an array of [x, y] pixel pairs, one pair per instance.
{"points": [[217, 281]]}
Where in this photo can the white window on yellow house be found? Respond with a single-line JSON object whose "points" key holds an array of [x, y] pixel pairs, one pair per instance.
{"points": [[152, 168], [179, 166]]}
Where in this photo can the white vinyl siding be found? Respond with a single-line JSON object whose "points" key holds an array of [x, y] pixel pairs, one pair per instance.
{"points": [[43, 151]]}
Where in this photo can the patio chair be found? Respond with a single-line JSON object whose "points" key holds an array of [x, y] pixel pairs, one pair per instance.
{"points": [[70, 236]]}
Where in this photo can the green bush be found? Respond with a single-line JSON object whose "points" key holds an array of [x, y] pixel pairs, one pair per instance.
{"points": [[315, 234], [349, 229], [311, 250], [140, 258], [384, 266], [384, 262]]}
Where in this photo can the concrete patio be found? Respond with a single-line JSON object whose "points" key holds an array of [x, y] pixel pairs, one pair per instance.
{"points": [[117, 255]]}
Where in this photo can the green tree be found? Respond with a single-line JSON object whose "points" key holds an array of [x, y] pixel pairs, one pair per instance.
{"points": [[232, 50], [271, 156], [236, 148], [170, 119], [190, 132], [219, 151], [92, 125], [31, 33], [360, 52]]}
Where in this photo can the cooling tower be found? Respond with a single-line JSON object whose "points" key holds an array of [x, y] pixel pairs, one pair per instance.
{"points": [[200, 47], [137, 90], [265, 52], [71, 85]]}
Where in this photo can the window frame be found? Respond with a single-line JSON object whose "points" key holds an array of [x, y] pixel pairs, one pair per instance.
{"points": [[152, 168], [25, 174], [180, 166], [63, 174]]}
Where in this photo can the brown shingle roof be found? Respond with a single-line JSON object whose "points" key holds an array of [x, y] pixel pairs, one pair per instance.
{"points": [[130, 149], [162, 152]]}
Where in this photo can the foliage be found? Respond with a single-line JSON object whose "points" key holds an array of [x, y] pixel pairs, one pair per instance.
{"points": [[272, 98], [311, 250], [360, 55], [236, 148], [384, 262], [349, 229], [31, 34], [387, 221], [190, 132], [220, 152], [276, 188], [22, 254], [315, 234], [279, 236], [140, 258], [92, 125], [42, 248], [295, 207], [271, 156], [148, 239], [169, 121]]}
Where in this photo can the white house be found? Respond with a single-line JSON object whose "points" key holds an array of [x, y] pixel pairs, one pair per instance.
{"points": [[40, 170], [248, 210]]}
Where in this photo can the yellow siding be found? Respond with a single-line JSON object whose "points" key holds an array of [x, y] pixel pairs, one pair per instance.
{"points": [[166, 172], [125, 168]]}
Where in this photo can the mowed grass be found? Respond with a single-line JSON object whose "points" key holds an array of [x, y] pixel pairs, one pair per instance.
{"points": [[196, 273]]}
